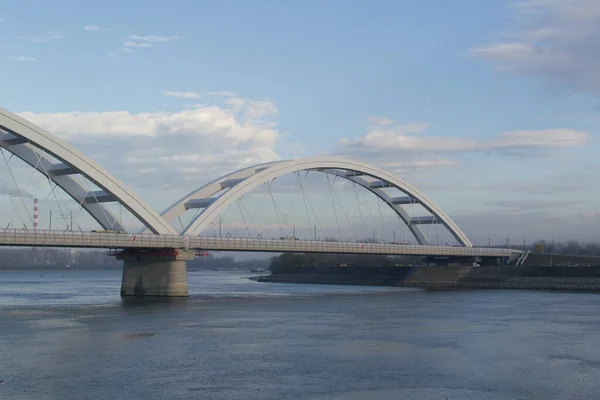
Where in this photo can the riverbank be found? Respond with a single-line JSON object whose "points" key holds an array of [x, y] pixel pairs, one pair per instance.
{"points": [[487, 277]]}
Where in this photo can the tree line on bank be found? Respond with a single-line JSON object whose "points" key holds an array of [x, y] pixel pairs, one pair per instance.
{"points": [[571, 247], [317, 259], [53, 258]]}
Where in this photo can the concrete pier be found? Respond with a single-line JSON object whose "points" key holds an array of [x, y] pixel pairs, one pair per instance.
{"points": [[155, 272]]}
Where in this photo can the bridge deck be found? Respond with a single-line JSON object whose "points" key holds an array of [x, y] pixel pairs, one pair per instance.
{"points": [[41, 238]]}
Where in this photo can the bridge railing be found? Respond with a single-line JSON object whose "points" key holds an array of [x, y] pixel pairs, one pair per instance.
{"points": [[286, 245], [39, 237]]}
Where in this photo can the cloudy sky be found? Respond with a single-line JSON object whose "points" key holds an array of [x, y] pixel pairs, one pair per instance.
{"points": [[489, 107]]}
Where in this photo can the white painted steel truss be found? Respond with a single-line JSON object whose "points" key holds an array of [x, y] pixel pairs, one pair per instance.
{"points": [[41, 149]]}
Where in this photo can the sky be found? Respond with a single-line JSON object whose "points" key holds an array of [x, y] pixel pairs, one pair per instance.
{"points": [[489, 108]]}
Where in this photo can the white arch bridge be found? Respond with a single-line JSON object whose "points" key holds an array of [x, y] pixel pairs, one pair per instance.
{"points": [[93, 188]]}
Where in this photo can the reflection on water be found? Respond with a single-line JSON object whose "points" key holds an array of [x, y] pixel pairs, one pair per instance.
{"points": [[68, 335]]}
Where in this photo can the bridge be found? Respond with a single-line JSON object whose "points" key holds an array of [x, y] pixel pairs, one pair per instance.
{"points": [[41, 238], [154, 258]]}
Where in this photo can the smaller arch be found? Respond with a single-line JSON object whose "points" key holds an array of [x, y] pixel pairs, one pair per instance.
{"points": [[241, 182], [178, 208]]}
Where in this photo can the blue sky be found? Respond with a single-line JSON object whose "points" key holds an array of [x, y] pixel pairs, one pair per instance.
{"points": [[490, 107]]}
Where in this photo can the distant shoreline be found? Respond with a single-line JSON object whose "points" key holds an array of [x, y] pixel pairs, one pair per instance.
{"points": [[60, 269], [579, 279], [120, 268]]}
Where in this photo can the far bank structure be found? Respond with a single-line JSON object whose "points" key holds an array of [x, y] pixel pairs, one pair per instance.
{"points": [[541, 272]]}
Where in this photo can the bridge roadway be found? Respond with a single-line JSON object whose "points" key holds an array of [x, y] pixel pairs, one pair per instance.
{"points": [[44, 238]]}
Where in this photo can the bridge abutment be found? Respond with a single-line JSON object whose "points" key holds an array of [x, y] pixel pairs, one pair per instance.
{"points": [[155, 272]]}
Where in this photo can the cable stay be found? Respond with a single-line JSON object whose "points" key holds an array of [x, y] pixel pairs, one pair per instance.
{"points": [[212, 225], [333, 206], [243, 208], [270, 191], [342, 206], [369, 207], [8, 191], [312, 208], [258, 207], [304, 200], [357, 189], [221, 218], [382, 234], [17, 188], [239, 201]]}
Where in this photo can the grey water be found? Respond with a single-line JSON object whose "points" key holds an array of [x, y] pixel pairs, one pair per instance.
{"points": [[68, 335]]}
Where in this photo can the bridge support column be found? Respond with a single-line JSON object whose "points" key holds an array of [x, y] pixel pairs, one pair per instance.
{"points": [[155, 272]]}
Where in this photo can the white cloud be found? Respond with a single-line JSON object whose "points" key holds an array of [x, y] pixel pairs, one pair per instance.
{"points": [[96, 28], [553, 39], [402, 146], [529, 226], [184, 95], [579, 183], [236, 104], [518, 206], [537, 139], [375, 120], [112, 54], [49, 37], [588, 215], [252, 108], [135, 44], [221, 93], [21, 58], [159, 149], [402, 138], [136, 41], [153, 38], [257, 109]]}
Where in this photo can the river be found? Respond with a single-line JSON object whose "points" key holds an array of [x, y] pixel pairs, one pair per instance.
{"points": [[68, 335]]}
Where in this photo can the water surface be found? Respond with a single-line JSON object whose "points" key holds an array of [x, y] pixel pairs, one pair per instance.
{"points": [[68, 335]]}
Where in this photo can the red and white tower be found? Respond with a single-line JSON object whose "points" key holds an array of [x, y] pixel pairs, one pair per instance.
{"points": [[35, 214]]}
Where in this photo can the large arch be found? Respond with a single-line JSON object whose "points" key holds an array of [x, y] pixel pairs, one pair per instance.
{"points": [[241, 182], [40, 149]]}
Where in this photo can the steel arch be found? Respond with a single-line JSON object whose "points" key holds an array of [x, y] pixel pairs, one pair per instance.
{"points": [[32, 144], [241, 182]]}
